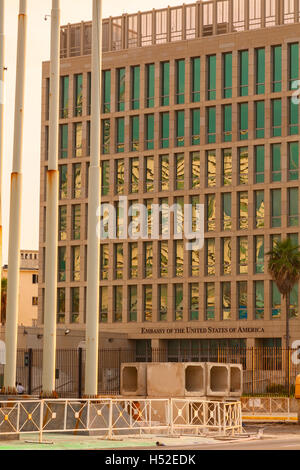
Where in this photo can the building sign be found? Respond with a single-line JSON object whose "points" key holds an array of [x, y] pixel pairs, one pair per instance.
{"points": [[201, 331]]}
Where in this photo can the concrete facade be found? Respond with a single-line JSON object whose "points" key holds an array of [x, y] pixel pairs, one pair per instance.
{"points": [[28, 292], [203, 32]]}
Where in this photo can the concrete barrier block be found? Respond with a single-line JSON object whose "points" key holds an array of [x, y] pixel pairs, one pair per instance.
{"points": [[134, 379], [166, 379], [195, 379], [236, 380], [218, 380]]}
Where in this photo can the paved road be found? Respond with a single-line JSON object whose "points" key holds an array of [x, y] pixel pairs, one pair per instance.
{"points": [[260, 444]]}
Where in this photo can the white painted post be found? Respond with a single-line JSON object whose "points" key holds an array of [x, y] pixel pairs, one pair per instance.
{"points": [[2, 66], [93, 255], [50, 307], [15, 209]]}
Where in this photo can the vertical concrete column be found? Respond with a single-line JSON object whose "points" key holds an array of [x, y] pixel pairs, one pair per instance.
{"points": [[246, 14], [93, 261], [15, 209]]}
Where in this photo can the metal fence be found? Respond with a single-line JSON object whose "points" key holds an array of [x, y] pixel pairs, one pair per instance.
{"points": [[110, 417], [266, 371]]}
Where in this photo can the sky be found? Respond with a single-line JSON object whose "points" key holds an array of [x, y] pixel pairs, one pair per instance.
{"points": [[38, 50]]}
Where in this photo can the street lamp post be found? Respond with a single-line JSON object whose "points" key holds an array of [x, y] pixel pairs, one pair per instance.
{"points": [[50, 308], [15, 209], [93, 255]]}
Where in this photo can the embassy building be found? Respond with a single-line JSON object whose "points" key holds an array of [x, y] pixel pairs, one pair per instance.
{"points": [[199, 107]]}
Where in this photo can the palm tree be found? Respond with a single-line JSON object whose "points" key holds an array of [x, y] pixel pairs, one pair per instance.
{"points": [[284, 267]]}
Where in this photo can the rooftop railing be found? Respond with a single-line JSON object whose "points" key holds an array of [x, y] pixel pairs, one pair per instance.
{"points": [[196, 20]]}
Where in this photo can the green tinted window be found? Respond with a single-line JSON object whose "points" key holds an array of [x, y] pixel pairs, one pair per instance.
{"points": [[135, 133], [64, 97], [276, 162], [163, 302], [276, 118], [276, 301], [106, 90], [64, 136], [149, 131], [120, 135], [260, 119], [244, 121], [165, 130], [165, 84], [212, 74], [226, 208], [277, 68], [78, 94], [293, 117], [196, 79], [293, 64], [211, 119], [244, 73], [150, 72], [195, 126], [227, 122], [180, 128], [260, 164], [293, 217], [227, 63], [259, 300], [180, 81], [242, 300], [293, 149], [260, 71], [194, 302], [121, 89], [135, 87], [276, 207]]}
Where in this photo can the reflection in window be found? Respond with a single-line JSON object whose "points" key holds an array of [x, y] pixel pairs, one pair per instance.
{"points": [[259, 299], [226, 300], [211, 212], [104, 304], [133, 299], [211, 168], [163, 301], [178, 296], [227, 167], [210, 257], [75, 263], [243, 255], [179, 255], [210, 301], [194, 301], [243, 300], [226, 254], [243, 165], [104, 262], [164, 258], [195, 170], [259, 254], [148, 303], [118, 303]]}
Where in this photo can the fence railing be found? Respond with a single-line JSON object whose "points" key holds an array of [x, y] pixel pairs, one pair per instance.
{"points": [[110, 417], [266, 371]]}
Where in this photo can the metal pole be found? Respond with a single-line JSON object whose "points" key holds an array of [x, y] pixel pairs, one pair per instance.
{"points": [[93, 255], [2, 42], [15, 210], [52, 211]]}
